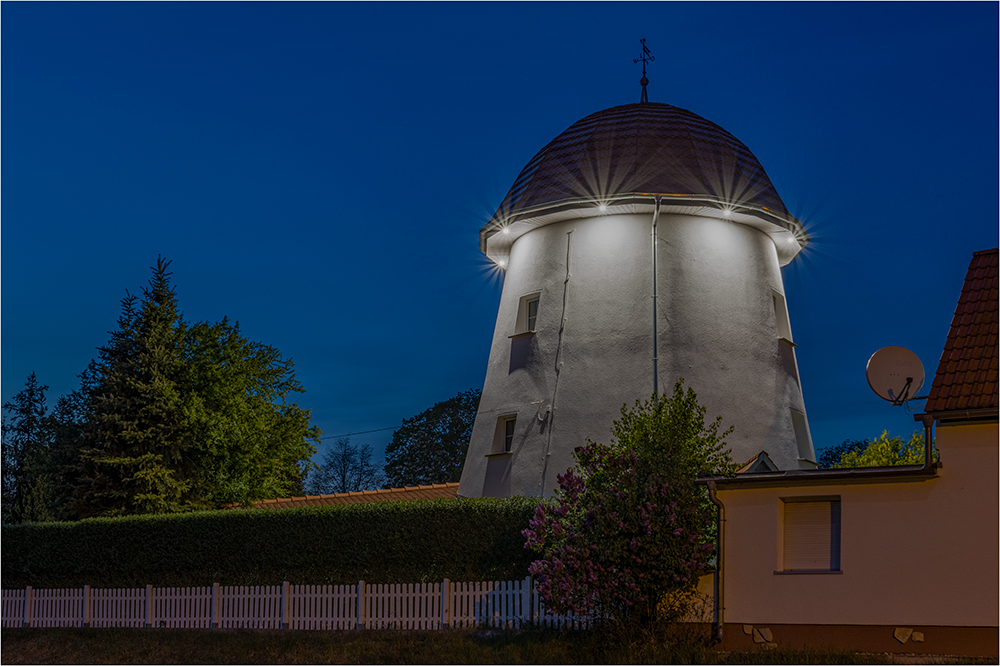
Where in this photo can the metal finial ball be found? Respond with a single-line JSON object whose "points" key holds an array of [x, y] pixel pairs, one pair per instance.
{"points": [[643, 81]]}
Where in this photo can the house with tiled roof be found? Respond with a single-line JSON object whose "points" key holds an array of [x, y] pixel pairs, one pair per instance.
{"points": [[965, 386], [887, 559], [431, 491]]}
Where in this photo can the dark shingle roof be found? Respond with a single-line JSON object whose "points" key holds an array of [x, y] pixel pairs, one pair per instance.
{"points": [[433, 491], [966, 377], [642, 148]]}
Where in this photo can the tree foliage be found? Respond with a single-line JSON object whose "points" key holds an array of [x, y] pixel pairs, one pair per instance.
{"points": [[345, 468], [885, 451], [174, 417], [431, 446], [252, 441], [629, 529], [27, 483], [832, 454], [135, 453]]}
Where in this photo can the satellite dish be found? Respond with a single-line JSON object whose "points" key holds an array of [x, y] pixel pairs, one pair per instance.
{"points": [[895, 374]]}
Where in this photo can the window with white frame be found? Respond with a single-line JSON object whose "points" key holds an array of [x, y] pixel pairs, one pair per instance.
{"points": [[503, 438], [803, 441], [527, 314], [781, 315], [810, 531]]}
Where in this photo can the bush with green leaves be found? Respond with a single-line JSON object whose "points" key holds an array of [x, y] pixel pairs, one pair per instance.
{"points": [[630, 530], [379, 542]]}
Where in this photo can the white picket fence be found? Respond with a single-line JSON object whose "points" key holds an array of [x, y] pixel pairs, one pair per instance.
{"points": [[286, 606]]}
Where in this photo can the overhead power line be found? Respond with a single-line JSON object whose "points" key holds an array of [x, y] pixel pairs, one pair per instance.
{"points": [[362, 432]]}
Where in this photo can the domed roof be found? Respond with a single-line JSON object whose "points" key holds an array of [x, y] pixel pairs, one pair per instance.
{"points": [[645, 148]]}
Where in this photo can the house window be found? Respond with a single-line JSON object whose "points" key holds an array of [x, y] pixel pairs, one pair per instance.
{"points": [[810, 535], [781, 316], [527, 314], [503, 438]]}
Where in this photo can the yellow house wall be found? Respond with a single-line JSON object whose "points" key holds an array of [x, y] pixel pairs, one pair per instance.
{"points": [[915, 553]]}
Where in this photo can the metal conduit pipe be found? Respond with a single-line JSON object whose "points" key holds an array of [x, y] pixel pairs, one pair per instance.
{"points": [[656, 371], [718, 589], [928, 422]]}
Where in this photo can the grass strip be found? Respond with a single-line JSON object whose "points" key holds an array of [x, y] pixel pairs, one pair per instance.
{"points": [[457, 646]]}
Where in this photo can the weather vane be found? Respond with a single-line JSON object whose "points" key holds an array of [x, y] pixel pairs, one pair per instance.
{"points": [[645, 57]]}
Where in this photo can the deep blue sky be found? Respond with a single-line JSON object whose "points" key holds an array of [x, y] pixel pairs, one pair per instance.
{"points": [[319, 173]]}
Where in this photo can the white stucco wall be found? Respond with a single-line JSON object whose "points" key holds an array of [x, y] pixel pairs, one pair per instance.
{"points": [[912, 554], [592, 350]]}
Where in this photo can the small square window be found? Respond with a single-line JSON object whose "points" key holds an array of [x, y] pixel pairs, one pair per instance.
{"points": [[810, 534]]}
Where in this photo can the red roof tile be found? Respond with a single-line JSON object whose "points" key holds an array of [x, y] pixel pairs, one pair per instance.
{"points": [[967, 374], [434, 491]]}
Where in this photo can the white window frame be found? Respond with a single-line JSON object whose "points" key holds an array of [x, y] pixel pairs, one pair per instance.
{"points": [[525, 324], [803, 440], [781, 320], [503, 444]]}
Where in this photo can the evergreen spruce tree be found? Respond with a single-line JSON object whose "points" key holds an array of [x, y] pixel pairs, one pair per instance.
{"points": [[68, 420], [27, 485], [133, 459]]}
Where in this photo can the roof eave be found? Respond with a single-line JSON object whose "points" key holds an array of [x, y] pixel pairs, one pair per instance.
{"points": [[820, 477], [985, 414]]}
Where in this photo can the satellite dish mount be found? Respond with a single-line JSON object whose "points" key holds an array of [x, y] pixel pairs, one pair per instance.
{"points": [[895, 374]]}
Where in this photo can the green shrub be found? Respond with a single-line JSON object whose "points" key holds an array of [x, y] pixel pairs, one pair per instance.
{"points": [[380, 542]]}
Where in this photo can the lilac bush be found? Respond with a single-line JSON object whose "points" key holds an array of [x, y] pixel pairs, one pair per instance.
{"points": [[629, 531]]}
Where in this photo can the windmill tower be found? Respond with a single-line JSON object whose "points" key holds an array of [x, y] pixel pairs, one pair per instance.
{"points": [[641, 245]]}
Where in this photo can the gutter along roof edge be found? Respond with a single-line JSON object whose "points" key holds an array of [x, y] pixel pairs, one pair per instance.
{"points": [[826, 476]]}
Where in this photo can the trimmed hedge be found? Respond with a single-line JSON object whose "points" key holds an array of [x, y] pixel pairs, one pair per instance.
{"points": [[380, 542]]}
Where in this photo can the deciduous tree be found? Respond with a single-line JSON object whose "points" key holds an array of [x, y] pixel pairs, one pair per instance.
{"points": [[345, 468], [629, 530], [431, 446], [885, 451], [252, 441], [832, 455]]}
